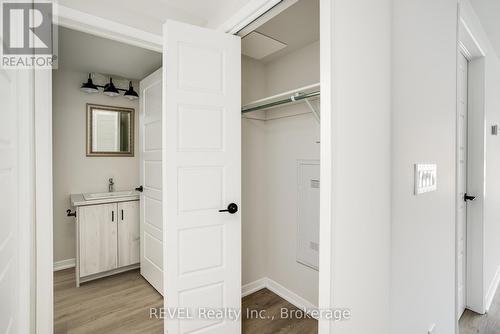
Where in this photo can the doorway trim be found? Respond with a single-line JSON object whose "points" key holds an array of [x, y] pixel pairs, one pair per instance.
{"points": [[42, 171], [97, 26], [468, 45]]}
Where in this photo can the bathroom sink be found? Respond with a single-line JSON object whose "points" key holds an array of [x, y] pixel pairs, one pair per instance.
{"points": [[115, 194]]}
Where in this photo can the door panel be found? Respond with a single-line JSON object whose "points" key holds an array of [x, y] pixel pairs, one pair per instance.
{"points": [[462, 106], [97, 226], [151, 221], [10, 289], [128, 233], [202, 136]]}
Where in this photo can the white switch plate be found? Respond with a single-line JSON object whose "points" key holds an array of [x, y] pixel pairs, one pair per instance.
{"points": [[425, 178]]}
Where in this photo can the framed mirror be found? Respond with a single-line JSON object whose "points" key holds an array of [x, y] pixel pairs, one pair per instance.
{"points": [[110, 131]]}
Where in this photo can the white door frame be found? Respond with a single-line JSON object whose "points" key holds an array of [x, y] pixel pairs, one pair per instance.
{"points": [[326, 222], [469, 46], [97, 26], [461, 184]]}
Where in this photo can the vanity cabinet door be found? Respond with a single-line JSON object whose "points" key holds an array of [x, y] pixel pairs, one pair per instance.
{"points": [[97, 226], [128, 233]]}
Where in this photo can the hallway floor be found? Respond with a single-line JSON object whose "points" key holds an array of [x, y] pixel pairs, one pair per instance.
{"points": [[473, 323], [121, 303]]}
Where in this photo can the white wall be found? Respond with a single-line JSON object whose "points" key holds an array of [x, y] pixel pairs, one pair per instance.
{"points": [[492, 184], [297, 69], [423, 232], [423, 130], [73, 172], [253, 141], [360, 69], [270, 153], [288, 140], [488, 191]]}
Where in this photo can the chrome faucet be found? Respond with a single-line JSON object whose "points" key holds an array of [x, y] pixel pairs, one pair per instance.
{"points": [[111, 185]]}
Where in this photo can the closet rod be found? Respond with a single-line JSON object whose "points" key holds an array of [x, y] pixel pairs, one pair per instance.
{"points": [[292, 98]]}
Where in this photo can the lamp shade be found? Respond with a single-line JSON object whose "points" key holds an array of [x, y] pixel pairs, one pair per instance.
{"points": [[131, 94], [89, 87], [110, 89]]}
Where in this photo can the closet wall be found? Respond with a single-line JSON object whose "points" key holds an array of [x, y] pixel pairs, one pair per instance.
{"points": [[269, 153]]}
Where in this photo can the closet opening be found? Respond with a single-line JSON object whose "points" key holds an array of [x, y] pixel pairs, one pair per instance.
{"points": [[280, 66]]}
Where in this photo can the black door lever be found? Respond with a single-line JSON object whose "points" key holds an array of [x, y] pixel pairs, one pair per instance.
{"points": [[231, 208], [140, 189], [469, 198]]}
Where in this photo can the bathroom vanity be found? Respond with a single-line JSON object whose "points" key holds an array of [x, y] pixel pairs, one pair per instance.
{"points": [[107, 234]]}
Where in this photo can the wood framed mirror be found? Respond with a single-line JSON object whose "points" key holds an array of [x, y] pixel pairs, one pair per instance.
{"points": [[110, 131]]}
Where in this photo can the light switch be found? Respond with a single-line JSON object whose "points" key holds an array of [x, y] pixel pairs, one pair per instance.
{"points": [[425, 178]]}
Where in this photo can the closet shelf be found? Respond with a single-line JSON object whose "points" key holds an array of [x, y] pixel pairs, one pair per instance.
{"points": [[300, 94]]}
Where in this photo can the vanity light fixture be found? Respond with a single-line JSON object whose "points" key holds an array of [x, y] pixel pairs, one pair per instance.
{"points": [[89, 87], [109, 89], [131, 94]]}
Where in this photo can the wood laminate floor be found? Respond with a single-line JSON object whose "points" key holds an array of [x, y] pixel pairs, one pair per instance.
{"points": [[473, 323], [121, 304], [115, 304]]}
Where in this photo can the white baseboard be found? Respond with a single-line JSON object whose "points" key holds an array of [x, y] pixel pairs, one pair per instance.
{"points": [[280, 290], [290, 296], [64, 264], [254, 286], [492, 290]]}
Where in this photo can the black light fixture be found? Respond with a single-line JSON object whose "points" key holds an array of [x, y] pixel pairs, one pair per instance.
{"points": [[89, 87], [131, 93], [110, 89]]}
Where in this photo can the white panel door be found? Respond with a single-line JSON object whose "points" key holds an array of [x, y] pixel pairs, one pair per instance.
{"points": [[461, 204], [150, 143], [128, 233], [202, 136], [10, 289]]}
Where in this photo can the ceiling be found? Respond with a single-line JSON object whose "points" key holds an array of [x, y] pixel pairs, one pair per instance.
{"points": [[149, 15], [297, 26], [488, 12], [82, 52]]}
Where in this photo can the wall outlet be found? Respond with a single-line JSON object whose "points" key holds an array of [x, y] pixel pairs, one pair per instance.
{"points": [[431, 329], [425, 178]]}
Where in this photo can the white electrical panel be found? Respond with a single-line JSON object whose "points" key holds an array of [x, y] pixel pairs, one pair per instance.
{"points": [[425, 178], [308, 213]]}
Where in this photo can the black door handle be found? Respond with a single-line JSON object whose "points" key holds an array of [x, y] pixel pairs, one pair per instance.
{"points": [[231, 208], [140, 189], [469, 198]]}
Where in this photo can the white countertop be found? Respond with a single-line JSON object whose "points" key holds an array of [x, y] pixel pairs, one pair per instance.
{"points": [[79, 200]]}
